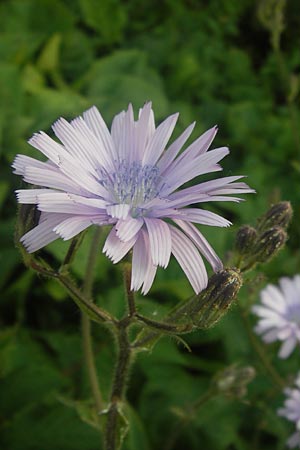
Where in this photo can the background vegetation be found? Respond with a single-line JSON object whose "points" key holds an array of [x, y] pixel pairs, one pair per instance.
{"points": [[230, 62]]}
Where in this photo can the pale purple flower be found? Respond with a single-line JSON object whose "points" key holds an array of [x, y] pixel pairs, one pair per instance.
{"points": [[291, 411], [127, 178], [279, 314]]}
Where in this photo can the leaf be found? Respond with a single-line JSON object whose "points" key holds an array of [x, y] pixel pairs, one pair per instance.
{"points": [[46, 426], [123, 77], [137, 438], [49, 57], [47, 104], [85, 410], [108, 19]]}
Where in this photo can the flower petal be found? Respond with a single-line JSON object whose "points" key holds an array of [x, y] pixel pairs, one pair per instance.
{"points": [[52, 177], [127, 143], [66, 163], [118, 211], [171, 153], [159, 140], [43, 233], [160, 241], [189, 259], [287, 347], [143, 269], [201, 243], [72, 226], [76, 144], [198, 147], [127, 229], [98, 152], [203, 217], [95, 122], [116, 249], [61, 202], [145, 128], [194, 167], [21, 162]]}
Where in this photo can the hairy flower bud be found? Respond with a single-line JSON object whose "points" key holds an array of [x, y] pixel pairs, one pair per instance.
{"points": [[279, 215], [28, 217], [233, 380], [211, 305], [269, 243], [245, 239]]}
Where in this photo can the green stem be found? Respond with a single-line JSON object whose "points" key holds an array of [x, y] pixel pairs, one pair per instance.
{"points": [[75, 243], [165, 327], [99, 315], [124, 350], [86, 323], [269, 368], [129, 292], [119, 386]]}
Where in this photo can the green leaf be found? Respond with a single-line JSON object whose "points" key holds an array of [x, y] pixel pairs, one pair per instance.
{"points": [[108, 19], [123, 77], [47, 104], [137, 438], [49, 57], [46, 426], [85, 410]]}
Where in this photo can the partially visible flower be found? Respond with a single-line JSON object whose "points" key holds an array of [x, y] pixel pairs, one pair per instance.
{"points": [[279, 314], [291, 411], [127, 178]]}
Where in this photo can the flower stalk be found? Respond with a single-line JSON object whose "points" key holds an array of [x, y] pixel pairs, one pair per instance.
{"points": [[113, 438], [88, 351]]}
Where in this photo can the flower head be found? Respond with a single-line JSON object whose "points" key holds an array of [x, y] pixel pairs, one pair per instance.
{"points": [[291, 411], [279, 314], [127, 178]]}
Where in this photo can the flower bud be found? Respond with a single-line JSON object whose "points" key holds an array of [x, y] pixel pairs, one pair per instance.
{"points": [[269, 243], [279, 215], [245, 239], [233, 380], [212, 303], [28, 217]]}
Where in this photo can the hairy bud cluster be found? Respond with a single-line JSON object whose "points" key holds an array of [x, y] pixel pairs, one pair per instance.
{"points": [[210, 305], [260, 244]]}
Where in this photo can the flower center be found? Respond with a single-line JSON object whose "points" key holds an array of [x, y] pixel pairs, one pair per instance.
{"points": [[132, 183]]}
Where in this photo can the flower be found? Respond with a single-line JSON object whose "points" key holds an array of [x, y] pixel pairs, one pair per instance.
{"points": [[280, 314], [291, 411], [127, 179]]}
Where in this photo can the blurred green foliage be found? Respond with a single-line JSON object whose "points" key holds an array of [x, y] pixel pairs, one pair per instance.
{"points": [[235, 63]]}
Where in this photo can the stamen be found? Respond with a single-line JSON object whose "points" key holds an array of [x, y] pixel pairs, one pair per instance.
{"points": [[132, 184]]}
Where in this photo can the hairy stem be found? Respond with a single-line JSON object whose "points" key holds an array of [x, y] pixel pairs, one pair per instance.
{"points": [[75, 243], [119, 386], [98, 314], [124, 351], [129, 292], [86, 323]]}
